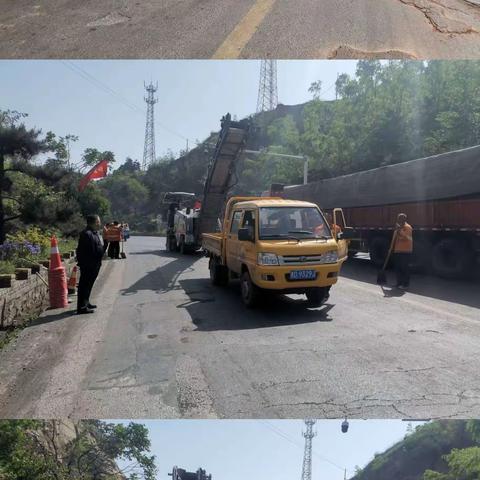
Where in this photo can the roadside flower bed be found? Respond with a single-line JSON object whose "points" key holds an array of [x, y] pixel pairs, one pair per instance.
{"points": [[26, 249]]}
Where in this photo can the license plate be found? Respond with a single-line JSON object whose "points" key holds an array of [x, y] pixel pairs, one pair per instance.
{"points": [[303, 275]]}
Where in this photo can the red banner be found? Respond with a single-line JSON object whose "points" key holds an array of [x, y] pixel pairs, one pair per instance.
{"points": [[98, 171]]}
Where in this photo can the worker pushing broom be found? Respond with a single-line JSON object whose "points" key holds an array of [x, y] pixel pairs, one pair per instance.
{"points": [[402, 247]]}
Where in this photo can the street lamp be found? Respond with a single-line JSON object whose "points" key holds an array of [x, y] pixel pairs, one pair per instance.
{"points": [[284, 155]]}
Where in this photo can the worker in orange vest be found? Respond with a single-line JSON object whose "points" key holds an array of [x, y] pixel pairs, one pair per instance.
{"points": [[105, 236], [115, 236], [402, 250], [336, 229]]}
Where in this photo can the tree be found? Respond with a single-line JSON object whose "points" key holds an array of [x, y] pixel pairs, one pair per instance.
{"points": [[126, 194], [37, 450], [129, 167], [91, 156], [61, 148], [15, 141]]}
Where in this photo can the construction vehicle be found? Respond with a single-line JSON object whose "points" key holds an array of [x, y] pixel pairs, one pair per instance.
{"points": [[181, 474], [439, 194], [182, 222], [185, 223], [277, 245]]}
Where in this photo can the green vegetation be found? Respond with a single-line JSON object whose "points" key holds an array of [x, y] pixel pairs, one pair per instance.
{"points": [[440, 450], [386, 113], [87, 450]]}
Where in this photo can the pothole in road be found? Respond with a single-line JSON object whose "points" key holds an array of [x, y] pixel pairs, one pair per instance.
{"points": [[347, 52], [152, 336]]}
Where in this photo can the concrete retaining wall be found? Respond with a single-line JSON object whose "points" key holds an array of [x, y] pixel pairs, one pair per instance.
{"points": [[25, 298]]}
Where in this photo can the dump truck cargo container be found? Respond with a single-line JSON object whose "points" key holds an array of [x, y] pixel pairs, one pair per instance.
{"points": [[440, 194]]}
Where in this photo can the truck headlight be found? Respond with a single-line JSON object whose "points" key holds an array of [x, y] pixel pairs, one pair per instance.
{"points": [[330, 257], [267, 259]]}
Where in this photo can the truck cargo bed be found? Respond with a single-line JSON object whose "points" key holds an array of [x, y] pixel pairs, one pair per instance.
{"points": [[212, 243]]}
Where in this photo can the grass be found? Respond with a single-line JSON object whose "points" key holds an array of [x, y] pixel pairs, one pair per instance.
{"points": [[6, 268], [67, 245]]}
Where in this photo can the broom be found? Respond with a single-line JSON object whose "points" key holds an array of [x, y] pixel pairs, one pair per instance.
{"points": [[382, 275]]}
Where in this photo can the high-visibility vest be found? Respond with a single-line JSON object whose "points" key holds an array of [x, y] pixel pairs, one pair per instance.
{"points": [[106, 234], [116, 233], [404, 240], [336, 229]]}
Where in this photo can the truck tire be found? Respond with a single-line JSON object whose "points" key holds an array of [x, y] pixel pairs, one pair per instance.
{"points": [[218, 272], [452, 258], [422, 255], [378, 248], [250, 292], [316, 296], [183, 248]]}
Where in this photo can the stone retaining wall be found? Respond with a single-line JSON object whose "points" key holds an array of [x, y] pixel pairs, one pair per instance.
{"points": [[26, 298]]}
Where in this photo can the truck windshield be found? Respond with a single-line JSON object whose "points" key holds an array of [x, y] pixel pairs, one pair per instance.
{"points": [[292, 222]]}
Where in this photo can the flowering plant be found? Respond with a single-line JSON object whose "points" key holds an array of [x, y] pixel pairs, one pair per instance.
{"points": [[11, 250]]}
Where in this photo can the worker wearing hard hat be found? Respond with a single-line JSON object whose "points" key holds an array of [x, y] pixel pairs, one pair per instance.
{"points": [[402, 250]]}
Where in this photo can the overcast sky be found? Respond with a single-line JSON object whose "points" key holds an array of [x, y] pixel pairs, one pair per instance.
{"points": [[268, 449], [102, 101]]}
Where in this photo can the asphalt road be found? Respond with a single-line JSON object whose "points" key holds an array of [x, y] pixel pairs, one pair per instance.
{"points": [[165, 343], [240, 29]]}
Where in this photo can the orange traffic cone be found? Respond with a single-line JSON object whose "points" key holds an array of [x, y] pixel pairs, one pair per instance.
{"points": [[57, 279], [72, 282], [55, 260]]}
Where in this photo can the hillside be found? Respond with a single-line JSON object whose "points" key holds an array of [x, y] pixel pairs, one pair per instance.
{"points": [[65, 449], [419, 451]]}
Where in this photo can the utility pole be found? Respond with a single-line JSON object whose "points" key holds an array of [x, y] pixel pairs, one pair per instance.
{"points": [[149, 148], [267, 90], [307, 454]]}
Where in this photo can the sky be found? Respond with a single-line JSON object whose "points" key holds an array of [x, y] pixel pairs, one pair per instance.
{"points": [[268, 449], [102, 101]]}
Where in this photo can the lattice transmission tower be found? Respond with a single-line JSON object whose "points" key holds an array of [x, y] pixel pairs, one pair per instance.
{"points": [[267, 90], [307, 454], [149, 148]]}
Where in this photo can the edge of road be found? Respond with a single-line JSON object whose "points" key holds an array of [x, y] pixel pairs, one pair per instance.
{"points": [[36, 369]]}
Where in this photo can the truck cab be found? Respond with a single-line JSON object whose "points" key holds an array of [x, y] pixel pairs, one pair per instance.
{"points": [[286, 246]]}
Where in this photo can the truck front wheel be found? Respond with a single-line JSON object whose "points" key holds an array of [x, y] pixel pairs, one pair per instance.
{"points": [[317, 296], [250, 292], [218, 272]]}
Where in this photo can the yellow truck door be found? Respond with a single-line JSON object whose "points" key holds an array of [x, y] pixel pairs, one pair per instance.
{"points": [[232, 244], [339, 221], [247, 250]]}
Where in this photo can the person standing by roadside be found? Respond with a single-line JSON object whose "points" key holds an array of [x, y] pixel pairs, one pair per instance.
{"points": [[106, 237], [89, 258], [115, 239], [402, 250], [126, 232]]}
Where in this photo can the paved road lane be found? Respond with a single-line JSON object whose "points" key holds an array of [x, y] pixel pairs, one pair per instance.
{"points": [[240, 29], [165, 343]]}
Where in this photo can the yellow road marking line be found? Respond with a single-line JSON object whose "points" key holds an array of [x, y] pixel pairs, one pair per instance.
{"points": [[237, 40]]}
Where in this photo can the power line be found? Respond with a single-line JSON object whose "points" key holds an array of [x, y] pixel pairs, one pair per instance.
{"points": [[106, 89], [285, 436]]}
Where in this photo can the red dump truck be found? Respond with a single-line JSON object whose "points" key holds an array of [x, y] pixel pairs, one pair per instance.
{"points": [[440, 195]]}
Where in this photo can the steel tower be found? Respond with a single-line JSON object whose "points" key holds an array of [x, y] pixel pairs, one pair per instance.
{"points": [[267, 90], [307, 455], [149, 148]]}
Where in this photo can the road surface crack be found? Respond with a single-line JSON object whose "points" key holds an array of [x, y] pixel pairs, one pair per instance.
{"points": [[449, 16]]}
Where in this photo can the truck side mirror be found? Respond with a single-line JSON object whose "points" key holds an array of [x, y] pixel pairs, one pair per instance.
{"points": [[348, 233], [246, 235]]}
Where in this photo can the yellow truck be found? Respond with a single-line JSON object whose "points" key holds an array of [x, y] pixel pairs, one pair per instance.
{"points": [[284, 246]]}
